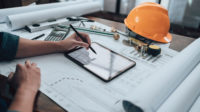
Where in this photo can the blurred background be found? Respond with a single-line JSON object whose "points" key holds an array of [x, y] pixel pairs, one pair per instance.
{"points": [[184, 14]]}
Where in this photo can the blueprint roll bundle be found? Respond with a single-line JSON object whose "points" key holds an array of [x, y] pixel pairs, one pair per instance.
{"points": [[184, 96], [173, 88], [18, 21], [17, 10]]}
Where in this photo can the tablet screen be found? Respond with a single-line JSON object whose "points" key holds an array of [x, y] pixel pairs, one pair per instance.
{"points": [[106, 64]]}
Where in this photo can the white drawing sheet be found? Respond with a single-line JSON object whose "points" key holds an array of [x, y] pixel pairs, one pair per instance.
{"points": [[18, 21], [71, 86], [150, 95]]}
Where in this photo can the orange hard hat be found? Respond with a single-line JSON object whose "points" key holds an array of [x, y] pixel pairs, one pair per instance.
{"points": [[150, 20]]}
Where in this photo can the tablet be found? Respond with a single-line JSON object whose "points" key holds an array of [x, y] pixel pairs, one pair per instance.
{"points": [[105, 64]]}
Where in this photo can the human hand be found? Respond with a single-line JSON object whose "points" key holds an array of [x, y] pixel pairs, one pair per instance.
{"points": [[27, 77], [74, 41]]}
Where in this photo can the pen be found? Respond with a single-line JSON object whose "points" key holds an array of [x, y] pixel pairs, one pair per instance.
{"points": [[37, 37], [84, 39]]}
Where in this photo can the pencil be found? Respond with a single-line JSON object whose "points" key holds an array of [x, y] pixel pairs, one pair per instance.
{"points": [[82, 38]]}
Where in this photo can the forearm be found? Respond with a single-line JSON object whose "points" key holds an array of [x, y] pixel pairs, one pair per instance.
{"points": [[23, 100], [28, 48]]}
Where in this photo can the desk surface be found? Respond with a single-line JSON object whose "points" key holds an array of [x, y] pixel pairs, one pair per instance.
{"points": [[44, 104]]}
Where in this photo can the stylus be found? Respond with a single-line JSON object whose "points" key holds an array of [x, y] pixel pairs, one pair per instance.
{"points": [[84, 39]]}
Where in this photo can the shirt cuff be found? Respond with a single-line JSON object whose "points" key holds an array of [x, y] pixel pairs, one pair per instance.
{"points": [[9, 46]]}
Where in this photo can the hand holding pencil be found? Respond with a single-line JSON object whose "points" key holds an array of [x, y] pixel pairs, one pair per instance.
{"points": [[74, 41], [82, 38]]}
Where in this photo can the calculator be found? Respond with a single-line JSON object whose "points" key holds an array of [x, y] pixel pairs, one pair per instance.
{"points": [[57, 34]]}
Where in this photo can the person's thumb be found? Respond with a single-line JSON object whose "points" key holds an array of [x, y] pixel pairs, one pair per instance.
{"points": [[10, 77], [11, 81], [82, 44]]}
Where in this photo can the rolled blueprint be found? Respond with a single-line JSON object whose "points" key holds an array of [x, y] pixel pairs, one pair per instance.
{"points": [[17, 10], [21, 20], [151, 94], [195, 106], [185, 95]]}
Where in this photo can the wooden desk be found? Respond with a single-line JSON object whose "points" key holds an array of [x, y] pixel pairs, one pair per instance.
{"points": [[44, 104]]}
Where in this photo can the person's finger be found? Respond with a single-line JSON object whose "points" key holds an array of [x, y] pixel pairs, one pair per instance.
{"points": [[33, 64], [28, 63], [81, 44], [77, 37], [38, 69], [10, 76], [19, 66], [87, 37], [84, 35], [11, 81]]}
